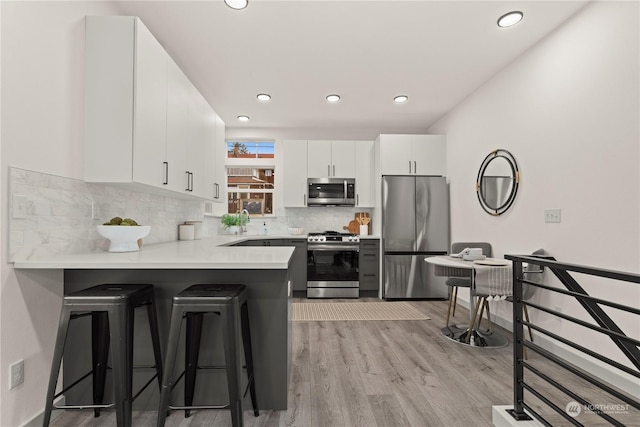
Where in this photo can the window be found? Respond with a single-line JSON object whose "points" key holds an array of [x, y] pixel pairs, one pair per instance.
{"points": [[250, 176], [250, 149]]}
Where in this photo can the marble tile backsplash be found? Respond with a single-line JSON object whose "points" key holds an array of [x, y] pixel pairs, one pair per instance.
{"points": [[50, 215]]}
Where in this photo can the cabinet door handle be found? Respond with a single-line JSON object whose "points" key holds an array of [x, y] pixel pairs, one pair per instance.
{"points": [[415, 168], [334, 170], [188, 173], [409, 166], [328, 170], [191, 186], [304, 199], [357, 199], [166, 173]]}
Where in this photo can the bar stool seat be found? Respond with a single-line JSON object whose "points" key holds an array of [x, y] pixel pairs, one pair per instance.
{"points": [[111, 307], [230, 303]]}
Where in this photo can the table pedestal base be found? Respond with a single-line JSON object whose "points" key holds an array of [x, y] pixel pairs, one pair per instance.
{"points": [[491, 339]]}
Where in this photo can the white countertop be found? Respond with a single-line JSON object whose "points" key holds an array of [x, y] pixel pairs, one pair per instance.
{"points": [[209, 253]]}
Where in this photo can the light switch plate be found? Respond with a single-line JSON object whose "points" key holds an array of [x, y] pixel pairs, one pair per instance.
{"points": [[552, 215]]}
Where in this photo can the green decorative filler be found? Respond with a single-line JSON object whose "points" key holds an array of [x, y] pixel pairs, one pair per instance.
{"points": [[116, 220]]}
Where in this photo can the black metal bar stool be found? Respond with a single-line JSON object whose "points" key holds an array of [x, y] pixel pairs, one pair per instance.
{"points": [[111, 309], [230, 302]]}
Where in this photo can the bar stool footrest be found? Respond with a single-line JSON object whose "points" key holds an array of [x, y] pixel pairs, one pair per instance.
{"points": [[90, 406], [182, 408]]}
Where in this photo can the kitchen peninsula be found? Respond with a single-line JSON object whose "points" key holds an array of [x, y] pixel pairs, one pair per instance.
{"points": [[171, 267]]}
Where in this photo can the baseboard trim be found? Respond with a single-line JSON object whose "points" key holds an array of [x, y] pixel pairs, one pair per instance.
{"points": [[38, 419]]}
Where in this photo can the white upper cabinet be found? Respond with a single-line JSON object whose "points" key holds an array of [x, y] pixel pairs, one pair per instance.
{"points": [[318, 159], [429, 154], [365, 191], [145, 122], [295, 173], [220, 172], [150, 148], [335, 159], [177, 124], [413, 155]]}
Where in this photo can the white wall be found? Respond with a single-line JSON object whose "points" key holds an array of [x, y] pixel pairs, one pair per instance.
{"points": [[568, 110], [42, 102]]}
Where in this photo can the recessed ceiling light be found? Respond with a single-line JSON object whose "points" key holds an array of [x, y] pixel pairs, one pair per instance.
{"points": [[237, 4], [264, 97], [510, 19], [243, 118], [400, 99], [333, 98]]}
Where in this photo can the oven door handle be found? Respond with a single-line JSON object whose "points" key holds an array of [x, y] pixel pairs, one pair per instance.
{"points": [[330, 247]]}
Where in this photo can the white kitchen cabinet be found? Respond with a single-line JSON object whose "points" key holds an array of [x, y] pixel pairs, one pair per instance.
{"points": [[219, 169], [178, 122], [215, 177], [295, 173], [150, 109], [412, 155], [429, 154], [364, 164], [335, 159], [145, 122]]}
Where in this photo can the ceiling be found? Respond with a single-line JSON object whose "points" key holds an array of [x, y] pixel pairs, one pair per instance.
{"points": [[436, 52]]}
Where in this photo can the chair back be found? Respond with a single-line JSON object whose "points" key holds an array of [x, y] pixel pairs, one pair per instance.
{"points": [[534, 276]]}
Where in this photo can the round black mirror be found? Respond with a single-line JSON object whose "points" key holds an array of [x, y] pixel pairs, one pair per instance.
{"points": [[497, 182]]}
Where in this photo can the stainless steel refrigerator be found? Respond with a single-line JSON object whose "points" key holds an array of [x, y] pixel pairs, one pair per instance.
{"points": [[415, 225]]}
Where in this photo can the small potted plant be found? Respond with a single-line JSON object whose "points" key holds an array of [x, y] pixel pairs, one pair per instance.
{"points": [[231, 222]]}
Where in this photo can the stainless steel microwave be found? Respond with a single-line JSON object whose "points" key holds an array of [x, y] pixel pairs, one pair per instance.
{"points": [[331, 192]]}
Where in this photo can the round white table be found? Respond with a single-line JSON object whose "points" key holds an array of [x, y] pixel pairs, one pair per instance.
{"points": [[493, 277]]}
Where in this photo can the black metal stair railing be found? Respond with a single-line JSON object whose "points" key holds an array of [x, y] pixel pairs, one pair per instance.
{"points": [[604, 324]]}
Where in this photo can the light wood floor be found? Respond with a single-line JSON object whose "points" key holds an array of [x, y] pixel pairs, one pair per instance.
{"points": [[387, 374]]}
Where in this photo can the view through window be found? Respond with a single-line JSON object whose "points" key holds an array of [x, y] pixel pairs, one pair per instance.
{"points": [[250, 184]]}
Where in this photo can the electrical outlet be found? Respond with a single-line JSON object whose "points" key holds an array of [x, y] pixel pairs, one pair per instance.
{"points": [[19, 207], [16, 374], [552, 215]]}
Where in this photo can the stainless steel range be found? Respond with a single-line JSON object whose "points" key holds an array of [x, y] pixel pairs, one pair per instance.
{"points": [[332, 265]]}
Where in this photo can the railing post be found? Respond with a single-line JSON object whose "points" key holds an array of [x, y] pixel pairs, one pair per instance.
{"points": [[518, 348]]}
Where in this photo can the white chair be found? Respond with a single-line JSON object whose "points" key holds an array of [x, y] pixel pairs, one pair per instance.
{"points": [[464, 282], [531, 272]]}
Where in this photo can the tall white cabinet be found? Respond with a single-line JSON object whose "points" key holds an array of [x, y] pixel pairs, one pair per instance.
{"points": [[145, 122], [364, 172], [295, 173]]}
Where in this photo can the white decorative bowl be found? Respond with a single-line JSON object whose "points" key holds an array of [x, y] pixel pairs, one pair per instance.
{"points": [[296, 230], [124, 238]]}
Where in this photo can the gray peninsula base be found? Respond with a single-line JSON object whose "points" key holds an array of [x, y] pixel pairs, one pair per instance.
{"points": [[270, 318]]}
